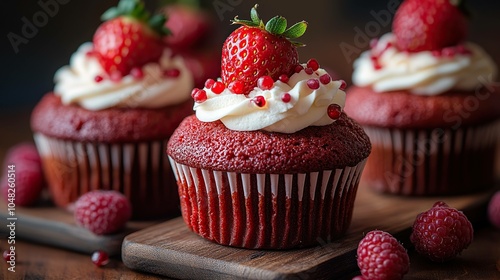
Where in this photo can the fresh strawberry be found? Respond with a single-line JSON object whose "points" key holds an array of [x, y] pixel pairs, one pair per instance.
{"points": [[128, 38], [427, 25], [190, 26], [257, 49], [102, 212]]}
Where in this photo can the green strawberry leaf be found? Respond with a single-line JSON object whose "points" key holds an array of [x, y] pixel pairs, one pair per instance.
{"points": [[276, 25], [111, 13], [296, 30], [254, 15], [128, 6], [137, 10], [157, 23]]}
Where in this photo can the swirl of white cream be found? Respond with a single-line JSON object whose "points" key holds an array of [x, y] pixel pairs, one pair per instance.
{"points": [[76, 83], [307, 107], [421, 73]]}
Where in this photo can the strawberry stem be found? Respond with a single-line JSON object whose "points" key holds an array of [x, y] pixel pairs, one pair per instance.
{"points": [[277, 26]]}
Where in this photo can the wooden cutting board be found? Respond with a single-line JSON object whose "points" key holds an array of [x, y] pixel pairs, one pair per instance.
{"points": [[52, 226], [171, 249]]}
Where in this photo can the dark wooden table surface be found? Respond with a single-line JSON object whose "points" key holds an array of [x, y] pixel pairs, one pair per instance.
{"points": [[33, 261]]}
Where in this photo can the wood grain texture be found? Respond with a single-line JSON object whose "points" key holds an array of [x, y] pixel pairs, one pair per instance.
{"points": [[49, 225], [171, 249], [35, 261]]}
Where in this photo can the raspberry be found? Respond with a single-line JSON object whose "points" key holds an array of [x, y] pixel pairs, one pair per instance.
{"points": [[23, 175], [381, 256], [22, 152], [494, 210], [102, 212], [441, 232]]}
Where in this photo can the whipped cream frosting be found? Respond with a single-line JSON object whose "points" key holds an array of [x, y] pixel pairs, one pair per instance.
{"points": [[76, 83], [421, 73], [307, 107]]}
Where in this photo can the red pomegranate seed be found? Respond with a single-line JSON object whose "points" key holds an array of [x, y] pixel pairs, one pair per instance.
{"points": [[194, 91], [461, 49], [436, 53], [309, 71], [260, 101], [116, 76], [172, 73], [236, 87], [286, 97], [98, 79], [284, 78], [100, 258], [325, 79], [209, 83], [343, 85], [137, 73], [449, 52], [376, 62], [313, 83], [218, 87], [334, 111], [298, 68], [313, 64], [265, 82], [199, 95]]}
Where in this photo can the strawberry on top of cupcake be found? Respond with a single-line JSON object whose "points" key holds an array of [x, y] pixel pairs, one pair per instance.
{"points": [[426, 53], [126, 65], [262, 84]]}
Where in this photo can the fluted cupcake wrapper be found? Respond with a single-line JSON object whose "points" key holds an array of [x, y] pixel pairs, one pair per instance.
{"points": [[432, 161], [273, 211], [138, 170]]}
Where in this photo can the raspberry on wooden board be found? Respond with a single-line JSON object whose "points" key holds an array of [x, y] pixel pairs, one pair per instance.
{"points": [[441, 232], [381, 256], [102, 212]]}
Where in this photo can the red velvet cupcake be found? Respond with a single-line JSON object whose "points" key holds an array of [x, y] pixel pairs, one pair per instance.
{"points": [[110, 115], [429, 107], [273, 167]]}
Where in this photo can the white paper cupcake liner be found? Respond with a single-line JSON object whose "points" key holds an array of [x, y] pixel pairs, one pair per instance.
{"points": [[432, 161], [274, 211], [140, 171]]}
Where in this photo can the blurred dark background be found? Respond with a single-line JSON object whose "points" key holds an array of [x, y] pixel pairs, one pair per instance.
{"points": [[333, 25]]}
